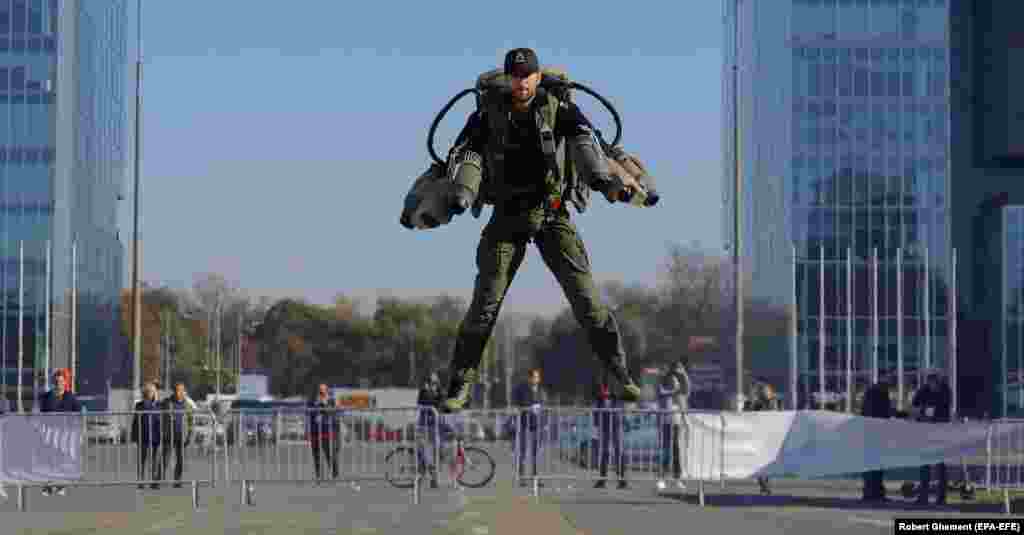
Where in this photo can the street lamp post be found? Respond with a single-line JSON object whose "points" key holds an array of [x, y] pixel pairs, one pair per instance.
{"points": [[136, 330], [737, 246]]}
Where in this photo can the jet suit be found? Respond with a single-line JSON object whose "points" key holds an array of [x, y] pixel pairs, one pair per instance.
{"points": [[526, 195]]}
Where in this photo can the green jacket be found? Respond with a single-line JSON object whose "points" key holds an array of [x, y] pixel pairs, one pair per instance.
{"points": [[169, 416]]}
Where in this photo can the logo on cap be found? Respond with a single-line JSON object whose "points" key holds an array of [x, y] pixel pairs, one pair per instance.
{"points": [[520, 58]]}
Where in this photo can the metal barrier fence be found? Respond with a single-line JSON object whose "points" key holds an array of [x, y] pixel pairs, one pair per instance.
{"points": [[1004, 458], [411, 447], [583, 444], [102, 449], [329, 446]]}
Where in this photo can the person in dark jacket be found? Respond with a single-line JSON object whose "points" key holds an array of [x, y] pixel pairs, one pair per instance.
{"points": [[146, 431], [608, 421], [877, 404], [531, 398], [321, 421], [429, 402], [177, 430], [765, 401], [932, 404], [60, 399], [5, 404]]}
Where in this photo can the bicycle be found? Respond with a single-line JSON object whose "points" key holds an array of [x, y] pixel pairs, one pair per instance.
{"points": [[461, 458]]}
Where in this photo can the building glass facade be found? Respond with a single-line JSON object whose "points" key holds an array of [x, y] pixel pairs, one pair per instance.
{"points": [[1010, 365], [861, 87], [63, 153]]}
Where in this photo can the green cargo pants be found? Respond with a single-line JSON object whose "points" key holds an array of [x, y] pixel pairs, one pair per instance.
{"points": [[500, 253]]}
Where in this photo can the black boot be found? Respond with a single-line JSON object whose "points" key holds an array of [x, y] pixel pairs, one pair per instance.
{"points": [[469, 351], [460, 390], [607, 344], [630, 391]]}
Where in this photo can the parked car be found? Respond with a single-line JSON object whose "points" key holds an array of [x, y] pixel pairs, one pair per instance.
{"points": [[99, 430]]}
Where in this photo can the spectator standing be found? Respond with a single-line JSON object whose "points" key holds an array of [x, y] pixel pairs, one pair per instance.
{"points": [[177, 430], [429, 403], [877, 404], [672, 395], [5, 408], [5, 404], [321, 422], [608, 421], [60, 399], [146, 429], [932, 404], [765, 401], [531, 398]]}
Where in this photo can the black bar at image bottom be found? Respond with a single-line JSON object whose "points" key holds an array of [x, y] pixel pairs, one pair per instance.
{"points": [[957, 525]]}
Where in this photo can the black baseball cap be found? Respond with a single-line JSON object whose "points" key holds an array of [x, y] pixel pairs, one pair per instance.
{"points": [[521, 62]]}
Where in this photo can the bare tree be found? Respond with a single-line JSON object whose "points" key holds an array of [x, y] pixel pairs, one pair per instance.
{"points": [[696, 286]]}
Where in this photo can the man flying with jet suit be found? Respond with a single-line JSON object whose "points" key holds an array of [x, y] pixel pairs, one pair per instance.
{"points": [[508, 136]]}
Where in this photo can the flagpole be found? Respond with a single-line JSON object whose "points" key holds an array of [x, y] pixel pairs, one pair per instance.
{"points": [[794, 365], [821, 330], [21, 321], [952, 338], [849, 329], [74, 315], [927, 311], [874, 316], [46, 349], [899, 328]]}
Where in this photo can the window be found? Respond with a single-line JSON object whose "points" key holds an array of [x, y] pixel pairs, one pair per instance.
{"points": [[845, 80], [908, 84], [18, 78], [909, 24], [19, 17], [5, 18], [35, 20], [877, 84]]}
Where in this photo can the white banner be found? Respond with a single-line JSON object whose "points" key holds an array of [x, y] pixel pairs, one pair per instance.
{"points": [[819, 443], [40, 448]]}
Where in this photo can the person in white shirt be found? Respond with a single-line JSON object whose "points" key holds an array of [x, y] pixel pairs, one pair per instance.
{"points": [[672, 397]]}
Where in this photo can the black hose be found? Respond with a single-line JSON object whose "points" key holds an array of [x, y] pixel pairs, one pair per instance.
{"points": [[437, 120], [572, 85], [607, 105]]}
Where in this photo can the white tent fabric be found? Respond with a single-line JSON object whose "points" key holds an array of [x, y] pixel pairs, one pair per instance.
{"points": [[40, 448], [819, 443]]}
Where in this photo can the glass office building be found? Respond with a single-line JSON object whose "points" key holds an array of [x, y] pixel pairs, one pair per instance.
{"points": [[63, 153], [859, 89], [1001, 266]]}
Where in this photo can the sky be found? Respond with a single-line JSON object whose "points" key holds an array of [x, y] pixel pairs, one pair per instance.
{"points": [[279, 138]]}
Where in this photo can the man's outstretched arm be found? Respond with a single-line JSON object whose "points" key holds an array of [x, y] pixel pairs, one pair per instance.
{"points": [[581, 141]]}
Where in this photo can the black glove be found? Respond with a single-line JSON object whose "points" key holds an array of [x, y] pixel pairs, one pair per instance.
{"points": [[608, 184]]}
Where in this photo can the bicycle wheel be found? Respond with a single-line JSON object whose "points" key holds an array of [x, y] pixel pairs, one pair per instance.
{"points": [[401, 468], [478, 469]]}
